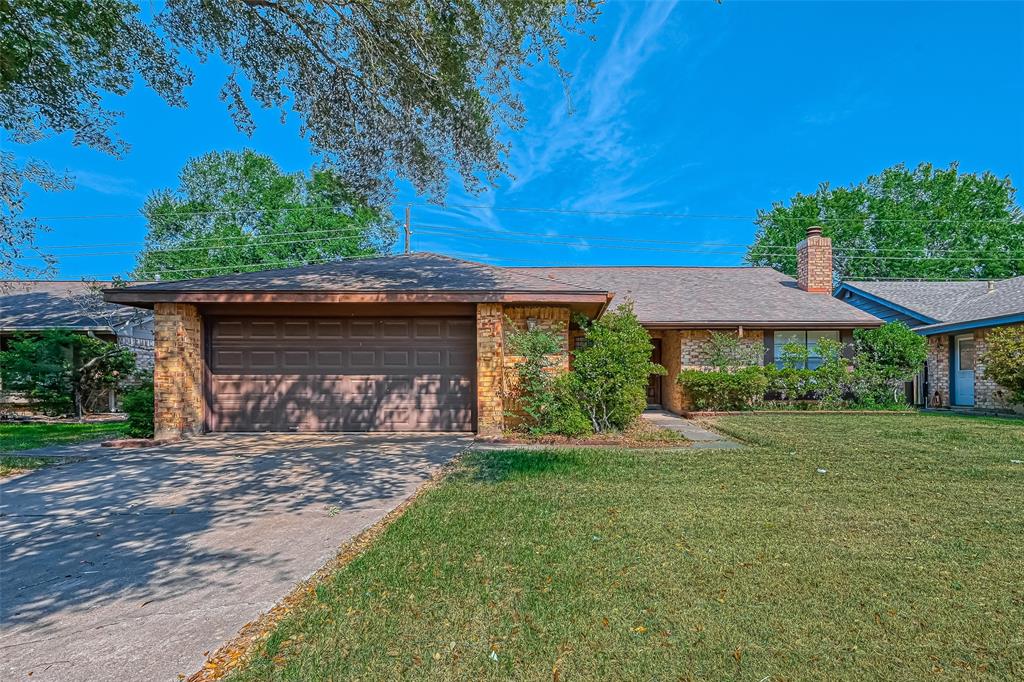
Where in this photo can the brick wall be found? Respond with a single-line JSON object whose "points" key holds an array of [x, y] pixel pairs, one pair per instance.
{"points": [[938, 371], [178, 370], [493, 362], [691, 349], [988, 394], [490, 368], [549, 318], [814, 263]]}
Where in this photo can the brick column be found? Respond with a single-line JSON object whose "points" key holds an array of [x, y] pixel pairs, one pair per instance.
{"points": [[178, 370], [490, 362]]}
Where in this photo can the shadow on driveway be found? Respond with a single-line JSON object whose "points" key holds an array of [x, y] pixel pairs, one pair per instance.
{"points": [[132, 566]]}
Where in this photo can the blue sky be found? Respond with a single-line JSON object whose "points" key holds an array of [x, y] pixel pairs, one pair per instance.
{"points": [[682, 108]]}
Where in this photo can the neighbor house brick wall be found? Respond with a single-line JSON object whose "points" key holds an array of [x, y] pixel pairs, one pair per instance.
{"points": [[987, 393], [814, 263], [490, 368], [938, 371], [178, 370]]}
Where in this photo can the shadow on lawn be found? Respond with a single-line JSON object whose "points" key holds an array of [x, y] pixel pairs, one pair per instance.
{"points": [[497, 466]]}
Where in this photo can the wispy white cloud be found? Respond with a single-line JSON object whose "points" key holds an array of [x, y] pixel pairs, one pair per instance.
{"points": [[107, 184], [596, 130]]}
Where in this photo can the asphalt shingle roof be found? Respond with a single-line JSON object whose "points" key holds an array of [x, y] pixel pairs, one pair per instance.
{"points": [[952, 302], [415, 272], [936, 300], [696, 295], [44, 305]]}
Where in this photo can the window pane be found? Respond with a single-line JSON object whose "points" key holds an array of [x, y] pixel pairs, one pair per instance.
{"points": [[966, 349], [784, 337], [812, 341]]}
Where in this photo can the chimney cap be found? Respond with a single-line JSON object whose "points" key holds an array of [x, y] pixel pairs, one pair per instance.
{"points": [[814, 231]]}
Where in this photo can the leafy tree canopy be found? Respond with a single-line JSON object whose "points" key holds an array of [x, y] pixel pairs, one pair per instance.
{"points": [[238, 212], [381, 89], [903, 223], [65, 373]]}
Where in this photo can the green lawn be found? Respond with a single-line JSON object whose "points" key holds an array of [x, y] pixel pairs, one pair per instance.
{"points": [[15, 437], [905, 560]]}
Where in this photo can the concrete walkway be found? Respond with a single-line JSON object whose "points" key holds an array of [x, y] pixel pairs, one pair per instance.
{"points": [[703, 439], [132, 565]]}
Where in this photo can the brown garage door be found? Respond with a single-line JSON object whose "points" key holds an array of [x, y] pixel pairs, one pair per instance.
{"points": [[331, 374]]}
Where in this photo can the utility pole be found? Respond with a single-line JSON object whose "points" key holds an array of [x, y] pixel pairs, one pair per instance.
{"points": [[408, 230]]}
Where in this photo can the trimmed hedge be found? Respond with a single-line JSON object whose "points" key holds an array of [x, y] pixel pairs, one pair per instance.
{"points": [[739, 390]]}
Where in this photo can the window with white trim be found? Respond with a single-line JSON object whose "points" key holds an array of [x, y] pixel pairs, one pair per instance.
{"points": [[806, 338]]}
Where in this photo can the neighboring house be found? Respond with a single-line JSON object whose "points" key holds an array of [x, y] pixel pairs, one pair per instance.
{"points": [[955, 317], [417, 342], [28, 307]]}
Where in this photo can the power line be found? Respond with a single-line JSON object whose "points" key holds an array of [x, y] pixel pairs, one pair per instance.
{"points": [[307, 238], [786, 250], [336, 233], [531, 209], [701, 216], [264, 265], [542, 239]]}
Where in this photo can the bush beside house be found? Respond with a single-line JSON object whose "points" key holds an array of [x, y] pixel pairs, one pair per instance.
{"points": [[605, 388], [883, 360], [1003, 360]]}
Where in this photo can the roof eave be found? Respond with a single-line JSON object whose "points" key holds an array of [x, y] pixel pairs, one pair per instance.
{"points": [[146, 299], [925, 319], [964, 325], [762, 324]]}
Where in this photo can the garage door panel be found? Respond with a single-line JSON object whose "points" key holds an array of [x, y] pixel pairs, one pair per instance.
{"points": [[355, 374]]}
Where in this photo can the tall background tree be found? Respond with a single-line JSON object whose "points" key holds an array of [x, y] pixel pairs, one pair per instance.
{"points": [[382, 89], [238, 212], [923, 223]]}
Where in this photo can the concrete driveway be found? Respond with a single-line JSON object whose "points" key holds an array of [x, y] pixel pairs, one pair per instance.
{"points": [[132, 566]]}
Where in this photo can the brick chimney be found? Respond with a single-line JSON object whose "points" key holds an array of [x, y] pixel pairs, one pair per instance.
{"points": [[814, 262]]}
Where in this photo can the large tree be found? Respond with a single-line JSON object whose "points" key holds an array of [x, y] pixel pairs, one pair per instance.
{"points": [[238, 212], [382, 89], [903, 223]]}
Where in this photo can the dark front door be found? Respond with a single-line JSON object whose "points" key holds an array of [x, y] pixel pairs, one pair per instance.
{"points": [[341, 374], [654, 380]]}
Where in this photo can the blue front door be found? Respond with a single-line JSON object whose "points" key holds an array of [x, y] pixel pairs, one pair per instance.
{"points": [[963, 370]]}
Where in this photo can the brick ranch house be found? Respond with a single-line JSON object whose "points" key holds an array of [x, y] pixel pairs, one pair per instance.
{"points": [[416, 342], [956, 318]]}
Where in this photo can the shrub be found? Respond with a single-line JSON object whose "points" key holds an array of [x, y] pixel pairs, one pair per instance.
{"points": [[64, 373], [739, 390], [887, 358], [830, 381], [532, 386], [611, 371], [788, 384], [137, 403], [567, 417], [1004, 360], [729, 352], [794, 356]]}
